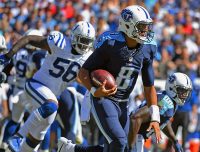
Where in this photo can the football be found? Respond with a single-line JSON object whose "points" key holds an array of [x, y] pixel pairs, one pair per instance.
{"points": [[100, 75]]}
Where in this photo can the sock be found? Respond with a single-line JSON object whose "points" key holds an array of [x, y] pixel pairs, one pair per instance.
{"points": [[79, 148], [25, 147], [10, 129]]}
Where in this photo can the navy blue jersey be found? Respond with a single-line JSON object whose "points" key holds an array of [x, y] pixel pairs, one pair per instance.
{"points": [[167, 108], [125, 64]]}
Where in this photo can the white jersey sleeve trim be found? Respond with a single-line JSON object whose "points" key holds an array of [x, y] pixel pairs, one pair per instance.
{"points": [[56, 40]]}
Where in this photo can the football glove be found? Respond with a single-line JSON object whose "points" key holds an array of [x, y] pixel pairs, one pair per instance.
{"points": [[4, 60]]}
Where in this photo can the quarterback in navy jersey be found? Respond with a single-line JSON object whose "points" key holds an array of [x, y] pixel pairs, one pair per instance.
{"points": [[124, 54]]}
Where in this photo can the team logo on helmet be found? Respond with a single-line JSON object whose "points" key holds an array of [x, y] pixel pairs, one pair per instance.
{"points": [[172, 78], [127, 15]]}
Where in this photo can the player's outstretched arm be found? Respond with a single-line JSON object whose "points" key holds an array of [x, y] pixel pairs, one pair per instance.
{"points": [[168, 131], [37, 41], [151, 97], [136, 120]]}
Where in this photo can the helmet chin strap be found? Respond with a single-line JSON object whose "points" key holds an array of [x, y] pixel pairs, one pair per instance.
{"points": [[74, 51]]}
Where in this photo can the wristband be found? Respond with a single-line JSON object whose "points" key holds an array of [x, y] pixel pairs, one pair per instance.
{"points": [[155, 114], [93, 90]]}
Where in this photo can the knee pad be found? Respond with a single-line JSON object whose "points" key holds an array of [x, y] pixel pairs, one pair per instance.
{"points": [[41, 119], [47, 109]]}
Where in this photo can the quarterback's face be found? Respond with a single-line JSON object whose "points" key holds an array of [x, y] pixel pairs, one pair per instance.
{"points": [[144, 28]]}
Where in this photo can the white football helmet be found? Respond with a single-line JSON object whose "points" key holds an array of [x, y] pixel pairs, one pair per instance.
{"points": [[178, 87], [33, 32], [82, 37], [136, 23], [2, 43]]}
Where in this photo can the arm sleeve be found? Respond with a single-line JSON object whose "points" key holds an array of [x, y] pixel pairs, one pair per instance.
{"points": [[147, 69], [148, 73], [98, 58]]}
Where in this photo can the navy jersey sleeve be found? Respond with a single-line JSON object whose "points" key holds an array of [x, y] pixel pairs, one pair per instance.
{"points": [[98, 58], [148, 73], [147, 69]]}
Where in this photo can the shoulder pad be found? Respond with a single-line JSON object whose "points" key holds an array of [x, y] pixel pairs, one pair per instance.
{"points": [[153, 42], [165, 101], [56, 40], [110, 36], [150, 49]]}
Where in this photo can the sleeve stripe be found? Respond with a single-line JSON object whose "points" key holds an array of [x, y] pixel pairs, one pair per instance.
{"points": [[61, 44], [75, 27], [58, 39]]}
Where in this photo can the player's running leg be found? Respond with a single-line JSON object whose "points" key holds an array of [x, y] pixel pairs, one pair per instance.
{"points": [[41, 118], [17, 115], [69, 113], [113, 121]]}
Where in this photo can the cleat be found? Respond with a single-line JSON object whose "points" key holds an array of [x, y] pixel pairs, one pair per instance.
{"points": [[14, 143], [65, 145]]}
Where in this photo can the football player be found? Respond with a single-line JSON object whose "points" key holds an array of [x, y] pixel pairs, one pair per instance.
{"points": [[178, 89], [3, 49], [124, 53], [19, 99], [25, 63], [60, 67]]}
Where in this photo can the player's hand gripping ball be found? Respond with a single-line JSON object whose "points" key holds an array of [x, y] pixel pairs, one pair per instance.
{"points": [[100, 75]]}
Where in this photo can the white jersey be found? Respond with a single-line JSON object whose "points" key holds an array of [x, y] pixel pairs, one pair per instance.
{"points": [[60, 67], [20, 61]]}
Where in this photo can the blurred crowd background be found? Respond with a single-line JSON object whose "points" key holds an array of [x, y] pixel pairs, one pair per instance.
{"points": [[176, 27]]}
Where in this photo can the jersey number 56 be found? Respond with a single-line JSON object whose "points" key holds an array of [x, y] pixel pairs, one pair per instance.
{"points": [[68, 74]]}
